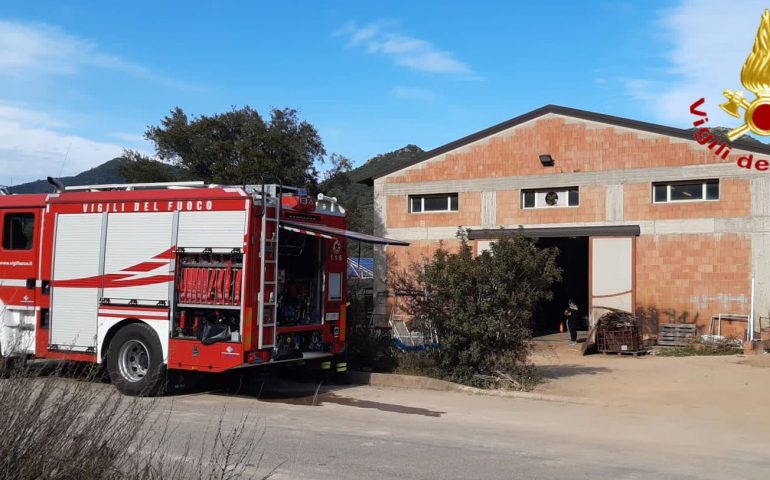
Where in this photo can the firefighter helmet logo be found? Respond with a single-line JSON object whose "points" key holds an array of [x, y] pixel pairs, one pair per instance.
{"points": [[755, 76], [336, 247]]}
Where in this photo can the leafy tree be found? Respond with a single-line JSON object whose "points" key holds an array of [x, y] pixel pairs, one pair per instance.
{"points": [[386, 161], [234, 147], [138, 168], [339, 174], [480, 308], [342, 182], [355, 197]]}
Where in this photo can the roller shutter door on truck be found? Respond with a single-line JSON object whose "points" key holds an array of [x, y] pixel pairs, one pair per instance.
{"points": [[76, 272]]}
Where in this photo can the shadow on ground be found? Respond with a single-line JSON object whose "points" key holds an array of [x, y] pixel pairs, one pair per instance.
{"points": [[561, 371], [337, 399], [288, 387]]}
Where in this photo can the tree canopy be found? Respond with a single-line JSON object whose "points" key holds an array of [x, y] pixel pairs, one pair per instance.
{"points": [[358, 200], [232, 148]]}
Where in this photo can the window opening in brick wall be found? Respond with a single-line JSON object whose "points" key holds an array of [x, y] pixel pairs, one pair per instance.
{"points": [[550, 197], [445, 202], [689, 191]]}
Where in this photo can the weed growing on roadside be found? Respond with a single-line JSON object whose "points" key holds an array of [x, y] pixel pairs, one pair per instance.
{"points": [[60, 422], [697, 349], [524, 377]]}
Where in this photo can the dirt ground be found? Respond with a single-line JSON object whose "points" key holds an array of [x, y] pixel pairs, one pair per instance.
{"points": [[733, 388]]}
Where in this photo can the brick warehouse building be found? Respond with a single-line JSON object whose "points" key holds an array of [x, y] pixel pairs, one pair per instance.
{"points": [[647, 219]]}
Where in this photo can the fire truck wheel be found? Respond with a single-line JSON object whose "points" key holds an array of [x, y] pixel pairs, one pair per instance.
{"points": [[135, 360]]}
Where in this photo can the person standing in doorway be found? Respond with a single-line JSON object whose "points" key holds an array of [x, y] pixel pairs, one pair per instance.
{"points": [[571, 317]]}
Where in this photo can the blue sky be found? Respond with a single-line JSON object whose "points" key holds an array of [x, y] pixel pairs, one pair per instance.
{"points": [[81, 80]]}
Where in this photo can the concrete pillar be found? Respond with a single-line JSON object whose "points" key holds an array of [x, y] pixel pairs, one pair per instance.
{"points": [[489, 209], [380, 259], [760, 246], [614, 203]]}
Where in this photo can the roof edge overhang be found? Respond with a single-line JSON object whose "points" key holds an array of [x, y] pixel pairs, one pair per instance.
{"points": [[550, 232], [610, 120], [304, 227]]}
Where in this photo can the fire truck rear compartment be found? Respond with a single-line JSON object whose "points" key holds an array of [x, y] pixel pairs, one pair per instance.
{"points": [[299, 280], [208, 295], [300, 268]]}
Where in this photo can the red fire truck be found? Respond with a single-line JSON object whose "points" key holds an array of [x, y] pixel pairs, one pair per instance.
{"points": [[150, 277]]}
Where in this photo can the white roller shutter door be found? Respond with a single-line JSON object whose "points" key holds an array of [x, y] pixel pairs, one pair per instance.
{"points": [[215, 230], [612, 268], [133, 240], [77, 256]]}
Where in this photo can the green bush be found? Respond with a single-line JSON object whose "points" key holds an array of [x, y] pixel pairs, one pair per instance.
{"points": [[368, 348], [480, 308]]}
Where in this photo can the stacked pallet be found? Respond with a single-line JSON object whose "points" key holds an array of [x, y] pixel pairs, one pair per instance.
{"points": [[676, 334], [619, 332]]}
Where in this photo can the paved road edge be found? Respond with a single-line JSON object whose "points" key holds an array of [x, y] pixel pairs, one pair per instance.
{"points": [[427, 383]]}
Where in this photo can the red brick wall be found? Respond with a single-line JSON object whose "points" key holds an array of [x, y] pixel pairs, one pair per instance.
{"points": [[734, 201], [688, 278], [591, 209], [468, 213], [400, 258], [576, 147]]}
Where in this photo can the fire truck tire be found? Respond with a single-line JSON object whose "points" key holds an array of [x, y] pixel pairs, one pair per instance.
{"points": [[135, 361]]}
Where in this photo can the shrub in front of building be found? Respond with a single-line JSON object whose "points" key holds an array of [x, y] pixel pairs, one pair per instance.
{"points": [[480, 308]]}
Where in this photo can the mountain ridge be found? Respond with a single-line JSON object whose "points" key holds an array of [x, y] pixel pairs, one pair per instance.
{"points": [[107, 172]]}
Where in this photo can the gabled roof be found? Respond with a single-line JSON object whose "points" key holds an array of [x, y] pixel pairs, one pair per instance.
{"points": [[567, 112]]}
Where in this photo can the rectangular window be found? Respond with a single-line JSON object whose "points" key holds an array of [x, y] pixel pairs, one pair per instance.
{"points": [[660, 193], [335, 286], [434, 204], [712, 190], [445, 202], [551, 197], [574, 197], [18, 231], [688, 191], [416, 204], [529, 199]]}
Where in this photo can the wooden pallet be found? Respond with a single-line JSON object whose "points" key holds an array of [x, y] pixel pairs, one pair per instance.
{"points": [[676, 334], [635, 354]]}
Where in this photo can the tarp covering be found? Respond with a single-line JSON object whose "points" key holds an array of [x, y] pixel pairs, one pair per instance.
{"points": [[338, 232]]}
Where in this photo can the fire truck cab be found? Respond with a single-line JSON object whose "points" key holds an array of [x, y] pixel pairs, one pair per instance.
{"points": [[184, 276]]}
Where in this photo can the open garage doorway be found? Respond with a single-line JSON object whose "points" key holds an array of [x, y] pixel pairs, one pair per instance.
{"points": [[598, 269], [573, 260]]}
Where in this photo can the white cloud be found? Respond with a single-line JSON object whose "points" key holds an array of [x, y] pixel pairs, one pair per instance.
{"points": [[410, 52], [32, 146], [31, 118], [33, 49], [35, 142], [412, 93], [710, 41]]}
